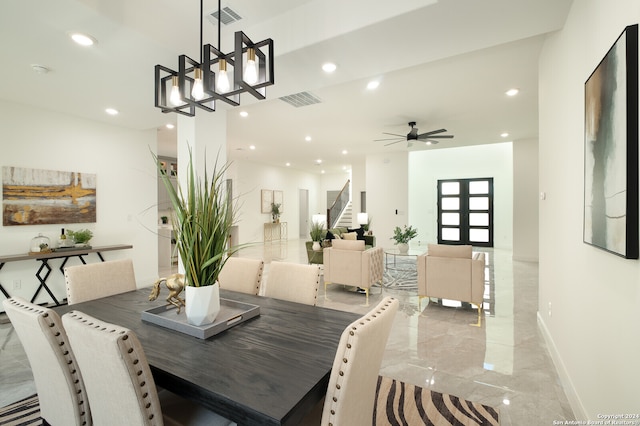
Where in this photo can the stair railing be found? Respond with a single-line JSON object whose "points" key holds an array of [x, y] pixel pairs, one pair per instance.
{"points": [[338, 206]]}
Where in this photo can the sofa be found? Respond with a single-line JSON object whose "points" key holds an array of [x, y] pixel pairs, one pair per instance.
{"points": [[452, 272], [317, 257]]}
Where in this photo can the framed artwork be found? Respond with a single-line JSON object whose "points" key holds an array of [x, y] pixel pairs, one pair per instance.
{"points": [[611, 150], [278, 199], [266, 198], [36, 196]]}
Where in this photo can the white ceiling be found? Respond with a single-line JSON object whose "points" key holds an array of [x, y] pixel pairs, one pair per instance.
{"points": [[445, 64]]}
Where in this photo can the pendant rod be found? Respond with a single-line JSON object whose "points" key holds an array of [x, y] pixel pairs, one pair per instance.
{"points": [[201, 19], [219, 24]]}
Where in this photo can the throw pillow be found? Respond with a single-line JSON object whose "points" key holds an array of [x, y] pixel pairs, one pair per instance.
{"points": [[359, 231], [350, 236], [329, 236]]}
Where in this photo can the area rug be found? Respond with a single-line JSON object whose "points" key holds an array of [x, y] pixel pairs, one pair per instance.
{"points": [[402, 275], [24, 412], [399, 403]]}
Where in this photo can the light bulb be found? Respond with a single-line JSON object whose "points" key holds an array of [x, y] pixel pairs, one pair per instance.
{"points": [[251, 69], [198, 88], [175, 97], [223, 84]]}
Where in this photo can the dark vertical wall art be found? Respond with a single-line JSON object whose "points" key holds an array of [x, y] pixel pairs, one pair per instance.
{"points": [[611, 150]]}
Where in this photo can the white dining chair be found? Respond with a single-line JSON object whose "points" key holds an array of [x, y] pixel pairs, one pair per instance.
{"points": [[351, 392], [97, 280], [293, 282], [119, 383], [241, 274], [61, 390]]}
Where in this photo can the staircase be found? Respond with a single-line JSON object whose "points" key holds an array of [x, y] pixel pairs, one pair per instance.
{"points": [[346, 220]]}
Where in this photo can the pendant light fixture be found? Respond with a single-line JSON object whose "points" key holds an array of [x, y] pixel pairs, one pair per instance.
{"points": [[249, 68]]}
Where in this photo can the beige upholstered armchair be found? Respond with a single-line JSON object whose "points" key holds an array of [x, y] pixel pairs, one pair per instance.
{"points": [[347, 262], [452, 272]]}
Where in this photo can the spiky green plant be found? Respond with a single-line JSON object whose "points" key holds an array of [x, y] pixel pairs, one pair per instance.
{"points": [[316, 230], [202, 217]]}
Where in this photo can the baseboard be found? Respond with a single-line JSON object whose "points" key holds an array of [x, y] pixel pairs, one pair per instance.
{"points": [[574, 400]]}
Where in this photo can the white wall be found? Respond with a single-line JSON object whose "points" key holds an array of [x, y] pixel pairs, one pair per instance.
{"points": [[387, 194], [126, 190], [589, 300], [250, 178], [427, 167], [525, 200]]}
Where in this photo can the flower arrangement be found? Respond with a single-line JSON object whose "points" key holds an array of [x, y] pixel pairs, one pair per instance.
{"points": [[404, 235], [275, 212]]}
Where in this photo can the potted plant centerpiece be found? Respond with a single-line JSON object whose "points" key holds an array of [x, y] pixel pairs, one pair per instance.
{"points": [[403, 236], [202, 218], [316, 231], [81, 237]]}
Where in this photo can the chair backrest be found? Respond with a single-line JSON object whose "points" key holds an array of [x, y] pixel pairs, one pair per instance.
{"points": [[352, 386], [119, 382], [293, 282], [61, 390], [241, 274], [97, 280]]}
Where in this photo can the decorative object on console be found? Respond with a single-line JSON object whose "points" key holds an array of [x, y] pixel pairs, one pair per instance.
{"points": [[204, 214], [81, 237], [196, 84], [36, 196], [275, 212], [611, 150], [403, 236], [40, 244]]}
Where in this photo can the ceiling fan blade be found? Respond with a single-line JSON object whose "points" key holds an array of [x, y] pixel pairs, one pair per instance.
{"points": [[433, 132], [391, 143], [393, 134], [388, 139], [423, 137]]}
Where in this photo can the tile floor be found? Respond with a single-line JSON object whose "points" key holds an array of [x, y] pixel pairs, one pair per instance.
{"points": [[505, 363]]}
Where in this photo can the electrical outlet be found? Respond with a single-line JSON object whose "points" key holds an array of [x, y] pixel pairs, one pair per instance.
{"points": [[549, 308], [17, 284]]}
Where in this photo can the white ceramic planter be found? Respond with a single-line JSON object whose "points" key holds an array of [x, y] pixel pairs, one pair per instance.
{"points": [[403, 248], [316, 246], [202, 304]]}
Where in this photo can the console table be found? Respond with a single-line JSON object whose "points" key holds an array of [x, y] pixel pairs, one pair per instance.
{"points": [[60, 254], [275, 231]]}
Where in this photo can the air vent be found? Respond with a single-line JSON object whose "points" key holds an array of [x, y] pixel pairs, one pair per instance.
{"points": [[227, 16], [301, 99]]}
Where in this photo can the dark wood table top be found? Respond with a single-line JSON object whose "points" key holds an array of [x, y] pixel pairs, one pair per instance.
{"points": [[269, 370], [62, 253]]}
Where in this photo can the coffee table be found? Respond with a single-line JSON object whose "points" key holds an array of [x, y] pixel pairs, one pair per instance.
{"points": [[395, 253]]}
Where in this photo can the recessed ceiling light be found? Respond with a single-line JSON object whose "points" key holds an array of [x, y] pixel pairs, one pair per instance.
{"points": [[252, 147], [428, 143], [308, 138], [504, 135], [244, 114], [345, 152], [329, 67], [40, 69], [318, 161], [170, 126], [83, 39], [111, 111], [512, 92], [373, 84], [322, 171], [287, 164]]}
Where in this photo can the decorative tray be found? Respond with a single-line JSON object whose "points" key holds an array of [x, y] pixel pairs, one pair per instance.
{"points": [[231, 313]]}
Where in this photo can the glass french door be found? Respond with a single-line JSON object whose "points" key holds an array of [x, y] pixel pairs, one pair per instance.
{"points": [[465, 211]]}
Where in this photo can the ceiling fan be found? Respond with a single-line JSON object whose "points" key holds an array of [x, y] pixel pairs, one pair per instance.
{"points": [[428, 137]]}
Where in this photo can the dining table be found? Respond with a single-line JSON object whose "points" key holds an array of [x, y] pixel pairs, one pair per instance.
{"points": [[268, 370]]}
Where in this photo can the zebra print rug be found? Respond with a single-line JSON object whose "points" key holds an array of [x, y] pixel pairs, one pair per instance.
{"points": [[399, 403], [24, 412]]}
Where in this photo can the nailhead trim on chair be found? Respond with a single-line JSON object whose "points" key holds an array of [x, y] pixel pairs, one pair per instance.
{"points": [[345, 360], [55, 331], [131, 362]]}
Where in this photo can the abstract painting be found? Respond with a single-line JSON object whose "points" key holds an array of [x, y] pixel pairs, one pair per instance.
{"points": [[35, 196], [611, 150]]}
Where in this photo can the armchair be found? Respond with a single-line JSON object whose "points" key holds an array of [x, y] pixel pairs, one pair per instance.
{"points": [[452, 272], [347, 262]]}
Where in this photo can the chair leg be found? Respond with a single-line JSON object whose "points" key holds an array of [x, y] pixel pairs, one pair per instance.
{"points": [[479, 323]]}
